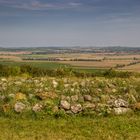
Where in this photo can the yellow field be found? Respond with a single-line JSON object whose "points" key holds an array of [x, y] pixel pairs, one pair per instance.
{"points": [[97, 64], [135, 68], [98, 56], [10, 57]]}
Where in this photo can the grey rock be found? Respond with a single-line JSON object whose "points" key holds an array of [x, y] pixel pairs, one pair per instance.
{"points": [[74, 98], [37, 107], [120, 103], [76, 108], [87, 98], [65, 104], [67, 98], [19, 107]]}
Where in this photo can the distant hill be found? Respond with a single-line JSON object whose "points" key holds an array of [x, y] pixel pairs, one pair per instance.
{"points": [[75, 49]]}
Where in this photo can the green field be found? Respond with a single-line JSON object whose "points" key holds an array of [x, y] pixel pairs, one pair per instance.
{"points": [[52, 65], [48, 65], [73, 128]]}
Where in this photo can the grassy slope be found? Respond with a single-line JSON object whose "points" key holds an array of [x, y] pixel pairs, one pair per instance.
{"points": [[74, 128]]}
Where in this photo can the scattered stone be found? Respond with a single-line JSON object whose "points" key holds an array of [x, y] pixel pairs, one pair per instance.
{"points": [[20, 96], [12, 95], [100, 90], [4, 80], [31, 96], [69, 112], [55, 84], [96, 100], [110, 85], [19, 107], [2, 97], [46, 95], [87, 98], [120, 103], [137, 106], [55, 109], [76, 108], [63, 97], [6, 107], [67, 98], [74, 98], [18, 83], [65, 104], [114, 90], [112, 97], [121, 110], [37, 107]]}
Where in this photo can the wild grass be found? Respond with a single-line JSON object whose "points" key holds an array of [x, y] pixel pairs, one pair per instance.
{"points": [[72, 128]]}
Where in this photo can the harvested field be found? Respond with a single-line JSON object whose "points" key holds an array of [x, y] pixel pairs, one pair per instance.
{"points": [[97, 64], [95, 56], [135, 68], [10, 58], [97, 60]]}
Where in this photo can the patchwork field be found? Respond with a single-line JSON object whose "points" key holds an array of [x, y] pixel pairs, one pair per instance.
{"points": [[121, 61], [90, 60]]}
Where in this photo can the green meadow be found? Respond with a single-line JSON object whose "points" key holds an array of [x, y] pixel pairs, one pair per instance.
{"points": [[73, 128]]}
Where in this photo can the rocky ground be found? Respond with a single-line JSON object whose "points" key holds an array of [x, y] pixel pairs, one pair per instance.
{"points": [[55, 96]]}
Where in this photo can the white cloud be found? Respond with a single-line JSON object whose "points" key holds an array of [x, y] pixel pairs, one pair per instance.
{"points": [[38, 5]]}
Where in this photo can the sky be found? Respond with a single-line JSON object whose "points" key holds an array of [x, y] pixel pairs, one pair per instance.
{"points": [[40, 23]]}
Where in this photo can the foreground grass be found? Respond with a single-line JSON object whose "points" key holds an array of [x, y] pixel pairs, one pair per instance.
{"points": [[72, 128]]}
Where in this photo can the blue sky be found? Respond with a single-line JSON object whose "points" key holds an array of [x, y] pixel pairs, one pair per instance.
{"points": [[69, 23]]}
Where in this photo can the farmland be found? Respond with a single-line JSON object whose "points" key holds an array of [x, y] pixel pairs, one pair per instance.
{"points": [[79, 61], [47, 95]]}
